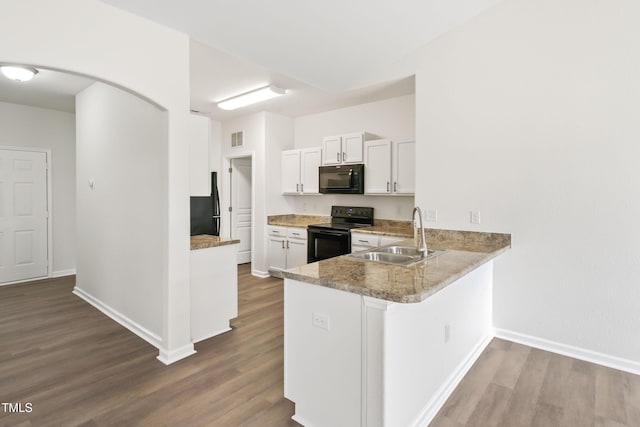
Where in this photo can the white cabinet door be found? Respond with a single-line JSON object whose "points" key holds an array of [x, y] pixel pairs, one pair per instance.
{"points": [[332, 150], [291, 171], [296, 253], [362, 241], [377, 178], [310, 160], [352, 148], [404, 167], [277, 253]]}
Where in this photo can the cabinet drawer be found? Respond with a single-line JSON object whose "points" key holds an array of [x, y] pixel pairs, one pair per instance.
{"points": [[273, 230], [297, 233], [364, 240]]}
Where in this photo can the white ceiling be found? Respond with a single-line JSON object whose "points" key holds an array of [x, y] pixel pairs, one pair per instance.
{"points": [[327, 54], [49, 89]]}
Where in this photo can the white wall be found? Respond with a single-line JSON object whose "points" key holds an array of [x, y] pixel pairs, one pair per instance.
{"points": [[278, 137], [25, 126], [111, 45], [199, 144], [391, 118], [215, 157], [529, 114], [118, 252]]}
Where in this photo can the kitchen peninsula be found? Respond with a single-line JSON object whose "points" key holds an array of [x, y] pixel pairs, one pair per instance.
{"points": [[214, 285], [373, 344]]}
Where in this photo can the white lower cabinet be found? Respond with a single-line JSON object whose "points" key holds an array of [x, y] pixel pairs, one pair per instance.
{"points": [[363, 241], [287, 247]]}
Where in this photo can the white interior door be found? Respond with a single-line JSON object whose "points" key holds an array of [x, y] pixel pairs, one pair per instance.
{"points": [[241, 206], [23, 215]]}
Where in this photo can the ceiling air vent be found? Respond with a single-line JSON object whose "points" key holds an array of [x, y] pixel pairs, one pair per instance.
{"points": [[236, 139]]}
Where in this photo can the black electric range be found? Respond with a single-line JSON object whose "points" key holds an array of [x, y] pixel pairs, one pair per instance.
{"points": [[334, 238]]}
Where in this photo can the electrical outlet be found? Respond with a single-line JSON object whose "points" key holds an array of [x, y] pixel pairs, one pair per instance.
{"points": [[431, 215], [475, 217], [447, 333], [320, 321]]}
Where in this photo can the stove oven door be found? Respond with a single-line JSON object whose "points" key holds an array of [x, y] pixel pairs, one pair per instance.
{"points": [[327, 243]]}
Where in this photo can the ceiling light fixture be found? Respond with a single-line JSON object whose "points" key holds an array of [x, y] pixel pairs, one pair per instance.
{"points": [[19, 74], [251, 97]]}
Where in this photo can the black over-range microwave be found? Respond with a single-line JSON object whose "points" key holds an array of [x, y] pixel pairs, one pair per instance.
{"points": [[342, 179]]}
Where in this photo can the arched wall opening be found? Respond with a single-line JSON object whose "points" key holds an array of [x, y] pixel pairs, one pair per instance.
{"points": [[96, 40]]}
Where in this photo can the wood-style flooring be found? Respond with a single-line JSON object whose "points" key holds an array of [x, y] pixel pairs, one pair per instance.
{"points": [[512, 385], [79, 368], [76, 367]]}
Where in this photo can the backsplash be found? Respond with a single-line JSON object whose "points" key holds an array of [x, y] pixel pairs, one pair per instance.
{"points": [[389, 207]]}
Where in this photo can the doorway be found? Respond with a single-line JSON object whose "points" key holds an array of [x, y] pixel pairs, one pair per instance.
{"points": [[241, 205], [24, 219]]}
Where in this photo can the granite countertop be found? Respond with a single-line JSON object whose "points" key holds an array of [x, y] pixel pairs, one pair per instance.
{"points": [[293, 220], [204, 241], [464, 252]]}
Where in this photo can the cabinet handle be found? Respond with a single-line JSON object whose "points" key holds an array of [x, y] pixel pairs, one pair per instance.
{"points": [[363, 241], [283, 244], [338, 157], [302, 188], [395, 186], [387, 186], [344, 156], [287, 244]]}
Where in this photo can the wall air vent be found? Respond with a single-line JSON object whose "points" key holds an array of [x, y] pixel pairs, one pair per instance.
{"points": [[236, 139]]}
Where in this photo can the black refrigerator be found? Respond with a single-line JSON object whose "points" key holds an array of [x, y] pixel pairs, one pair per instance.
{"points": [[205, 211]]}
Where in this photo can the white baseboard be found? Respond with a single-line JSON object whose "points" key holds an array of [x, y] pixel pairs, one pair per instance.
{"points": [[429, 412], [63, 273], [171, 356], [301, 421], [261, 274], [614, 362], [140, 331]]}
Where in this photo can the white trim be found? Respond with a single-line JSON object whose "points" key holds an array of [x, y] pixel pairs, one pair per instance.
{"points": [[431, 409], [63, 273], [603, 359], [32, 279], [169, 357], [211, 335], [143, 333], [227, 163], [258, 273], [301, 421]]}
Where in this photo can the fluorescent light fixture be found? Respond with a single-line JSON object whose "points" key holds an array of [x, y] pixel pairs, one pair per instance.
{"points": [[252, 97], [19, 74]]}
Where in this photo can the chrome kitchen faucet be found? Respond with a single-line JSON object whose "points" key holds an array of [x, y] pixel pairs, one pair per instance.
{"points": [[421, 245]]}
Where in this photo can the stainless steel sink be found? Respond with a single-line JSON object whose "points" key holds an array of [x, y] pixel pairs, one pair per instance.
{"points": [[386, 258], [401, 250], [397, 255]]}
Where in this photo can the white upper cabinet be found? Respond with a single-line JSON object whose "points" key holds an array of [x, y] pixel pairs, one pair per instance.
{"points": [[344, 149], [290, 171], [332, 150], [377, 172], [389, 167], [404, 167], [300, 171]]}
